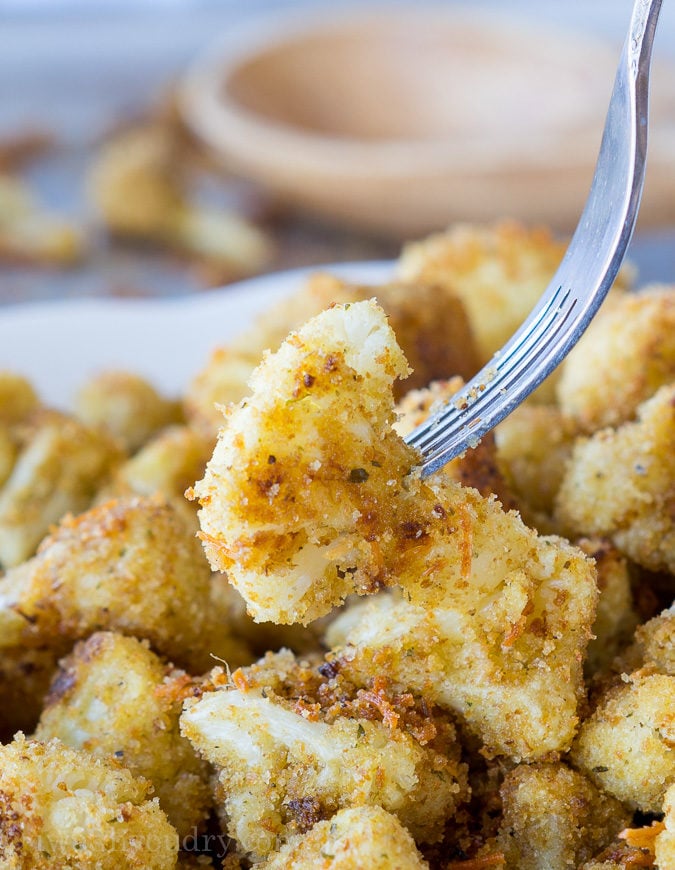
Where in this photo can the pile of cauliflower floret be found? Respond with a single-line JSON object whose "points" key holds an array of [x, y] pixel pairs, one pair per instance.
{"points": [[241, 630]]}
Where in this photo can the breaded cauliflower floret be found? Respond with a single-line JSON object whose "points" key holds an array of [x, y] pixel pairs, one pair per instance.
{"points": [[166, 465], [141, 190], [113, 697], [58, 471], [554, 818], [655, 643], [61, 808], [622, 360], [499, 272], [294, 745], [301, 489], [431, 327], [665, 841], [533, 444], [507, 658], [367, 837], [626, 746], [615, 619], [126, 406], [620, 484], [131, 566]]}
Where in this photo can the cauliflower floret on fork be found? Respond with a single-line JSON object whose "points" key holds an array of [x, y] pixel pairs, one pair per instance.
{"points": [[299, 495], [293, 744], [309, 497]]}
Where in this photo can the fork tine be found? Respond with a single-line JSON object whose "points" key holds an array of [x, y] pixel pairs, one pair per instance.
{"points": [[588, 268]]}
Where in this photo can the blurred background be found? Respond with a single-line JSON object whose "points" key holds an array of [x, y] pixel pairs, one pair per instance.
{"points": [[168, 147]]}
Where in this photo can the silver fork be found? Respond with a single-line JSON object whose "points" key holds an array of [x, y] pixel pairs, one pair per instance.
{"points": [[584, 276]]}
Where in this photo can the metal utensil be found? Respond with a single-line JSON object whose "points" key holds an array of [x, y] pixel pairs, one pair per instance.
{"points": [[584, 276]]}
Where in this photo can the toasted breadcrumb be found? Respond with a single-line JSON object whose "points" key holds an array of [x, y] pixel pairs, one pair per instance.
{"points": [[132, 566], [506, 658], [126, 406], [113, 697], [61, 808], [620, 484], [294, 745], [498, 271], [626, 746], [622, 360], [655, 643], [555, 818], [533, 444], [359, 837], [616, 618], [302, 483]]}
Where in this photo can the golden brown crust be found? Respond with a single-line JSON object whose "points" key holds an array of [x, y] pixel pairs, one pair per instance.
{"points": [[620, 484], [62, 808], [555, 818], [626, 355], [113, 697], [131, 565], [295, 744]]}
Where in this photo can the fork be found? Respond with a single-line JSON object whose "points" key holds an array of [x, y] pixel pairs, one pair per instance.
{"points": [[583, 278]]}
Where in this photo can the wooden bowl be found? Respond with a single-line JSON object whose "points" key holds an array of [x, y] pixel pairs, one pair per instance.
{"points": [[402, 120]]}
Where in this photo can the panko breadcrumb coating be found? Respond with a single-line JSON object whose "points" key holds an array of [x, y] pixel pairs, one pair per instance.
{"points": [[132, 566], [295, 498], [293, 745], [555, 818], [126, 406], [655, 643], [624, 357], [508, 660], [62, 808], [616, 618], [620, 484], [431, 327], [626, 746], [57, 471], [113, 697], [367, 837], [499, 272], [533, 444]]}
